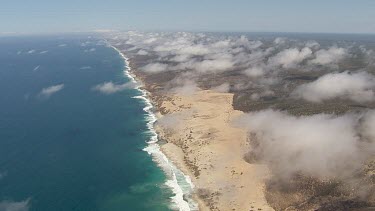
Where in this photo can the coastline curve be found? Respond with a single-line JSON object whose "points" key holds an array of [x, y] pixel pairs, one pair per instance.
{"points": [[177, 181]]}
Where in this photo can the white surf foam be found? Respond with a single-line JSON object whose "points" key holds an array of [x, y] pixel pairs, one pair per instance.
{"points": [[179, 183]]}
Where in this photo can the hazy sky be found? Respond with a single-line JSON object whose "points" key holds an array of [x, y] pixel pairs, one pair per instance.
{"points": [[344, 16]]}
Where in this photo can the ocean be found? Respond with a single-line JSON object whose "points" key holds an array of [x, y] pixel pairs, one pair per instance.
{"points": [[64, 145]]}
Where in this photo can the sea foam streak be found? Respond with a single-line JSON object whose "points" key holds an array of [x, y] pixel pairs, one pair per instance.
{"points": [[180, 184]]}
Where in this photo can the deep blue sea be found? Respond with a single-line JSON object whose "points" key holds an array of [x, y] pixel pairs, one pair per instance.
{"points": [[71, 147]]}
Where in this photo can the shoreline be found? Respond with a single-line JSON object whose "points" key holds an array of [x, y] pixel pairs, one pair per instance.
{"points": [[154, 149], [208, 151], [212, 149]]}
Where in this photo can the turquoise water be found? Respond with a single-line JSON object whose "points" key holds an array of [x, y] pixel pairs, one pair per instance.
{"points": [[77, 149]]}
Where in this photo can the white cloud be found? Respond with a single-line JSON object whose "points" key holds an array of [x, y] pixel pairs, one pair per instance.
{"points": [[206, 66], [320, 145], [279, 40], [291, 57], [225, 87], [85, 68], [142, 52], [36, 68], [47, 92], [254, 72], [14, 206], [194, 50], [155, 68], [358, 87], [368, 130], [110, 87], [90, 50], [188, 87], [84, 44], [213, 65], [312, 44], [330, 56], [263, 61], [151, 40], [181, 58]]}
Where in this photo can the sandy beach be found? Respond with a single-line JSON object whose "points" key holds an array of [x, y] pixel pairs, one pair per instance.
{"points": [[204, 144], [209, 95]]}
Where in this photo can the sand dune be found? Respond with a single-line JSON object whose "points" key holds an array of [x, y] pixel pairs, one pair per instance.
{"points": [[205, 145]]}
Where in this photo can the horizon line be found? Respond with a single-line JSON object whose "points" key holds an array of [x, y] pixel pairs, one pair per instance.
{"points": [[101, 31]]}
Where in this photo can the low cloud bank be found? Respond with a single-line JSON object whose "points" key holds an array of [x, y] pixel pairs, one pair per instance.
{"points": [[290, 58], [110, 87], [358, 87], [155, 68], [322, 146], [184, 87], [14, 206], [216, 53], [330, 56], [262, 61], [49, 91]]}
